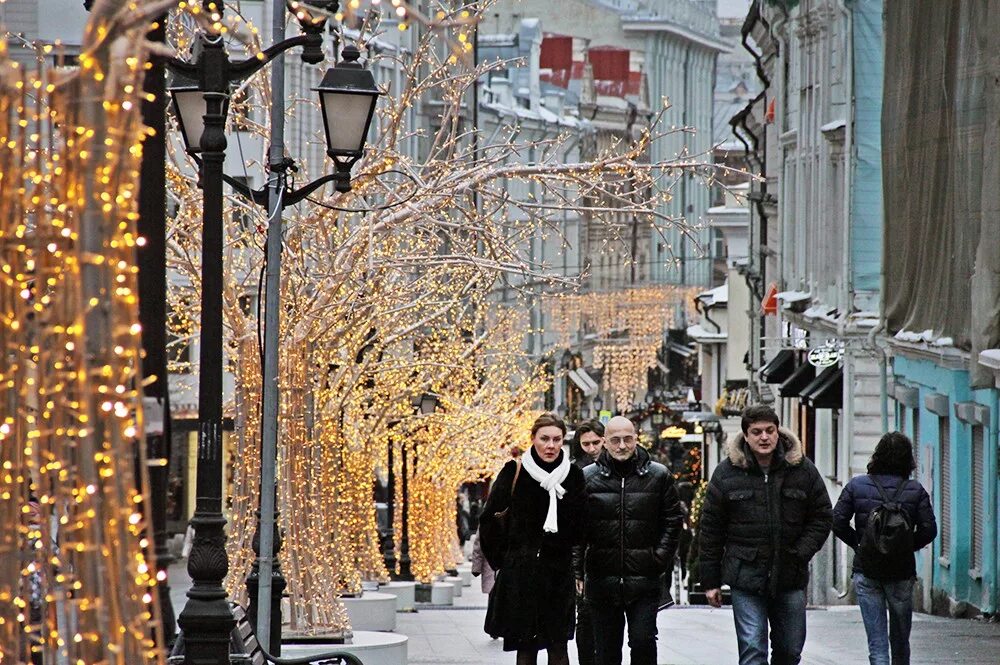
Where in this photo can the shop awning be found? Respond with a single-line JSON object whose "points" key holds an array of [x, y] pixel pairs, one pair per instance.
{"points": [[683, 350], [582, 381], [778, 368], [826, 391], [799, 379]]}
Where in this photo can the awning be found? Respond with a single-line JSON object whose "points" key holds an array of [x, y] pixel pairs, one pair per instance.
{"points": [[826, 391], [582, 381], [683, 350], [799, 379], [778, 368], [589, 380]]}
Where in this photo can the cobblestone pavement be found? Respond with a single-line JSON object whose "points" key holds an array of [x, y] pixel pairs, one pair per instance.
{"points": [[688, 635]]}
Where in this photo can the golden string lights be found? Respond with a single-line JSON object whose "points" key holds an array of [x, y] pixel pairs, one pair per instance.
{"points": [[629, 327], [76, 585], [379, 306]]}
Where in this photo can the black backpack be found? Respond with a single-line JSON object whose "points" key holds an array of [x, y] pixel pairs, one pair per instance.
{"points": [[888, 536]]}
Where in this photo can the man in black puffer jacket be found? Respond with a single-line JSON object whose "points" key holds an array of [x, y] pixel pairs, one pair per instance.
{"points": [[633, 524], [766, 514]]}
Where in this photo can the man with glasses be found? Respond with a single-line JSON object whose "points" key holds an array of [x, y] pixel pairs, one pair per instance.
{"points": [[633, 525]]}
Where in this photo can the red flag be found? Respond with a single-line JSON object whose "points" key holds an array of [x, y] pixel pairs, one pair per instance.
{"points": [[769, 305]]}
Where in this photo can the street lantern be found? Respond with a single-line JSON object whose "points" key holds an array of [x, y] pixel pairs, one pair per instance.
{"points": [[657, 417], [190, 106], [348, 96], [562, 410], [426, 404], [598, 403]]}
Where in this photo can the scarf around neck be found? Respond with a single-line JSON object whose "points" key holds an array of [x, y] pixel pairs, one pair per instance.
{"points": [[551, 482]]}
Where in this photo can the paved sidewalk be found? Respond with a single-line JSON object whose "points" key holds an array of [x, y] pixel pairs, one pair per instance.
{"points": [[699, 636], [688, 635]]}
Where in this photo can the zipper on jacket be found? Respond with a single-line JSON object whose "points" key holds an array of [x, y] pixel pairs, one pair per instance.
{"points": [[621, 579]]}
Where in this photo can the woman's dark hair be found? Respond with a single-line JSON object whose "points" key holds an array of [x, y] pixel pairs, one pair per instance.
{"points": [[591, 426], [893, 456], [547, 420], [758, 413]]}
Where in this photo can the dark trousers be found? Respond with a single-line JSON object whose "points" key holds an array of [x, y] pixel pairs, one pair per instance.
{"points": [[585, 631], [609, 631]]}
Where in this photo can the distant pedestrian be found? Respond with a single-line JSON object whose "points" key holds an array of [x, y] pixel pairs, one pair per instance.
{"points": [[532, 602], [633, 523], [590, 441], [893, 518], [766, 514], [481, 567]]}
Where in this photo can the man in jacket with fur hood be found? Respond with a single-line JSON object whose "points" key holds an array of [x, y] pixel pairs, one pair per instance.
{"points": [[766, 514]]}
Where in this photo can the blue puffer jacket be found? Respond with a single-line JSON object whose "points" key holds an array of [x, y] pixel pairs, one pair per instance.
{"points": [[860, 497]]}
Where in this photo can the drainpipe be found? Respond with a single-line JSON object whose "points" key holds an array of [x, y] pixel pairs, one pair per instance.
{"points": [[847, 280]]}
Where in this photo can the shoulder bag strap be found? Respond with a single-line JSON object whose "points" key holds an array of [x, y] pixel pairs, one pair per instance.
{"points": [[517, 472]]}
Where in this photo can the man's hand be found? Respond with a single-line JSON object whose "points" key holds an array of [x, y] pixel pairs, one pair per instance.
{"points": [[714, 597], [579, 587]]}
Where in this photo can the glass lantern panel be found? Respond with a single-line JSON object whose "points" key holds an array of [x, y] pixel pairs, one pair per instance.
{"points": [[346, 120]]}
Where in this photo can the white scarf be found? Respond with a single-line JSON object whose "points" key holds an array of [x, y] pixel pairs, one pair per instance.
{"points": [[551, 483]]}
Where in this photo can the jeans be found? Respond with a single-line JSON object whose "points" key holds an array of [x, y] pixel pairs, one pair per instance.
{"points": [[609, 631], [584, 631], [879, 600], [786, 614]]}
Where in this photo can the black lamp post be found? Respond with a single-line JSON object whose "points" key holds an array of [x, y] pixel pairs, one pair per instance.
{"points": [[201, 109], [389, 551], [425, 404]]}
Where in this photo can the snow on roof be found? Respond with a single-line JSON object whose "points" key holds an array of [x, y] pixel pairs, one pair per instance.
{"points": [[703, 336], [793, 296], [717, 296]]}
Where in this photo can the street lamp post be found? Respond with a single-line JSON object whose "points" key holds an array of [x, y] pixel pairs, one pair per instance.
{"points": [[389, 553], [425, 404], [201, 110]]}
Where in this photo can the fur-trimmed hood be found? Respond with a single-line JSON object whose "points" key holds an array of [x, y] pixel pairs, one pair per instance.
{"points": [[789, 449]]}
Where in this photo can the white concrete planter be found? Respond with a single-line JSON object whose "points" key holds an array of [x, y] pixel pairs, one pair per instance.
{"points": [[465, 572], [371, 611], [438, 593], [457, 583], [373, 648], [405, 593]]}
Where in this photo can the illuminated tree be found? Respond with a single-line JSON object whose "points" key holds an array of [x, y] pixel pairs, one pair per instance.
{"points": [[386, 293]]}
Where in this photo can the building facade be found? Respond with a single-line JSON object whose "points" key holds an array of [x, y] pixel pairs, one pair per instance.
{"points": [[813, 135]]}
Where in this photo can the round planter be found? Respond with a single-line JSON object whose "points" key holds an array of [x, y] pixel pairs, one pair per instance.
{"points": [[371, 611], [405, 593]]}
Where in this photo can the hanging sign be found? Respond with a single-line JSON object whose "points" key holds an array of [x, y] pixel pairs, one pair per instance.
{"points": [[604, 417], [825, 356]]}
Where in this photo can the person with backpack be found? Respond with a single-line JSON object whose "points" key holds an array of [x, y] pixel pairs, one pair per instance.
{"points": [[893, 518]]}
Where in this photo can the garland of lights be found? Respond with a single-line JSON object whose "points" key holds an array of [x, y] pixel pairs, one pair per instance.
{"points": [[75, 581], [629, 327]]}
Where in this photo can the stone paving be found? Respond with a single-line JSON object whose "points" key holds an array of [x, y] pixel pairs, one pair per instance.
{"points": [[688, 635]]}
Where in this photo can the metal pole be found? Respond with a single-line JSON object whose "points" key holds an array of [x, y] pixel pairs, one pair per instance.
{"points": [[207, 619], [404, 544], [152, 260], [270, 580]]}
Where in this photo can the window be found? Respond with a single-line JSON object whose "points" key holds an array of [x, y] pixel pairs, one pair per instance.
{"points": [[944, 444], [978, 499]]}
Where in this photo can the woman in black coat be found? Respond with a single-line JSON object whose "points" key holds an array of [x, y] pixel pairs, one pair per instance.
{"points": [[885, 586], [532, 604]]}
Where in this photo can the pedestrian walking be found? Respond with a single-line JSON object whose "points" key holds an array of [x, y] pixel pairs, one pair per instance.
{"points": [[766, 514], [590, 441], [481, 567], [893, 518], [530, 523], [633, 523]]}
